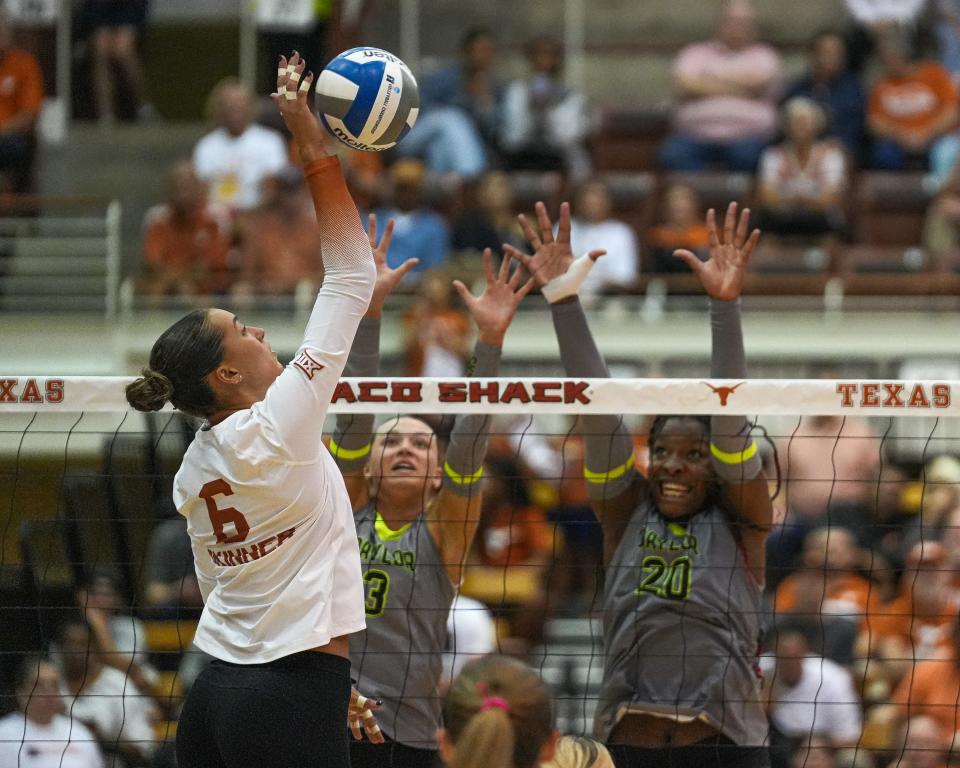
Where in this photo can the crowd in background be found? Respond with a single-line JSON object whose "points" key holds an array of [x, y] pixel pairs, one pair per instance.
{"points": [[863, 586]]}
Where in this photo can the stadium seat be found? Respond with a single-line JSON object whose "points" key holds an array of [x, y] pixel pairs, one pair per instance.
{"points": [[716, 189], [890, 208], [628, 139], [169, 636], [634, 198], [530, 187]]}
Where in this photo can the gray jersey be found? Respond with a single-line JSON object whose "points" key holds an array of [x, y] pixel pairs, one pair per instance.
{"points": [[682, 627], [400, 657]]}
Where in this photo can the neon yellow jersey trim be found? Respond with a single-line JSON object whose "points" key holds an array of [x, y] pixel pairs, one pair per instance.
{"points": [[598, 478], [735, 458], [459, 479], [348, 454], [385, 532]]}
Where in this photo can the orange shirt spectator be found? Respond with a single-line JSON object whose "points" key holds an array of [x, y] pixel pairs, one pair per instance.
{"points": [[913, 101], [186, 240], [437, 332], [21, 90], [683, 227], [280, 239], [932, 688], [21, 96], [827, 583]]}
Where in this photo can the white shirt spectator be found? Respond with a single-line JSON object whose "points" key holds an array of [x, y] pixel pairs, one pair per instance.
{"points": [[880, 11], [471, 633], [59, 744], [824, 702], [116, 708], [826, 169], [234, 166], [620, 267]]}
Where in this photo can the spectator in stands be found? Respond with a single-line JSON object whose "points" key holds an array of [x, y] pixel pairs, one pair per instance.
{"points": [[913, 106], [727, 90], [807, 695], [830, 467], [490, 221], [121, 638], [460, 112], [471, 633], [947, 30], [917, 624], [280, 240], [103, 699], [802, 180], [827, 580], [827, 593], [418, 232], [21, 97], [595, 227], [683, 227], [437, 330], [238, 155], [114, 27], [939, 494], [815, 752], [882, 13], [921, 745], [186, 240], [38, 734], [545, 124], [171, 588], [950, 539], [941, 227], [836, 88]]}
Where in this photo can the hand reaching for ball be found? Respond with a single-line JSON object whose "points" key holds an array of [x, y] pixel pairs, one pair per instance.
{"points": [[292, 100]]}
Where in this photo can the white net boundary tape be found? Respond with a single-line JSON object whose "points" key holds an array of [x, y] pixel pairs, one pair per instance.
{"points": [[504, 395]]}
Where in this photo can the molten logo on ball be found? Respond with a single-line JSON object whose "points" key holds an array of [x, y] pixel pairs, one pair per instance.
{"points": [[368, 99]]}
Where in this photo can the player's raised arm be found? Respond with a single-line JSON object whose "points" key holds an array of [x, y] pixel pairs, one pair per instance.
{"points": [[353, 435], [301, 395], [736, 459], [612, 481], [454, 515]]}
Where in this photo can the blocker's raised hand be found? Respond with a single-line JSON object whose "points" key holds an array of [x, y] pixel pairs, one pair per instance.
{"points": [[722, 274], [494, 309], [387, 278], [552, 257]]}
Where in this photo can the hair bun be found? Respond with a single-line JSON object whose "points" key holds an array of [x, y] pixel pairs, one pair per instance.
{"points": [[150, 392]]}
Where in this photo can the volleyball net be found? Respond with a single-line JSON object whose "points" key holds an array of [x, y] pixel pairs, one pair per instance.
{"points": [[863, 562]]}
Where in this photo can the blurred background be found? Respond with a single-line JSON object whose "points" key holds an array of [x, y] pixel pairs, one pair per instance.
{"points": [[144, 172]]}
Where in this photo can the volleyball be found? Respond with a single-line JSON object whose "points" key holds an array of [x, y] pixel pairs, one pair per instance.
{"points": [[368, 99]]}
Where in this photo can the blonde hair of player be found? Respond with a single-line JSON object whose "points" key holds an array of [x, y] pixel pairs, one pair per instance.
{"points": [[497, 714], [579, 752]]}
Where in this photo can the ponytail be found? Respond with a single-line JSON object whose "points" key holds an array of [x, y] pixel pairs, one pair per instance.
{"points": [[488, 741], [497, 714]]}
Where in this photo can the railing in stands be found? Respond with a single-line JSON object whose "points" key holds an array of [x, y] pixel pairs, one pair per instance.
{"points": [[60, 254]]}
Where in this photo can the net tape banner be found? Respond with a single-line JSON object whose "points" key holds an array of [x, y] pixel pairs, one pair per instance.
{"points": [[800, 397]]}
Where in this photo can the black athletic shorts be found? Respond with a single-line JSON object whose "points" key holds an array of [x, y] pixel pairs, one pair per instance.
{"points": [[715, 752], [290, 712], [390, 754]]}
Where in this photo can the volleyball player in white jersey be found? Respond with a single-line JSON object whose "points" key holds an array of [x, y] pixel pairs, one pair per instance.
{"points": [[416, 517], [269, 517]]}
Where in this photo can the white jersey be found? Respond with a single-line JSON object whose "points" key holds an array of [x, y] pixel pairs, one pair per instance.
{"points": [[269, 518]]}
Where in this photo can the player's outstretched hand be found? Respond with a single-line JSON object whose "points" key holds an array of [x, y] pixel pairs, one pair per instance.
{"points": [[387, 278], [494, 309], [552, 257], [722, 274], [360, 717], [291, 98]]}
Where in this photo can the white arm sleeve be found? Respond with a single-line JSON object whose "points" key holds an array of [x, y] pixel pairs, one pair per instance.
{"points": [[297, 402]]}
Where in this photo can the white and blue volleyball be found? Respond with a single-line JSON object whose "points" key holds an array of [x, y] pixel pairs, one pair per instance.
{"points": [[368, 99]]}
